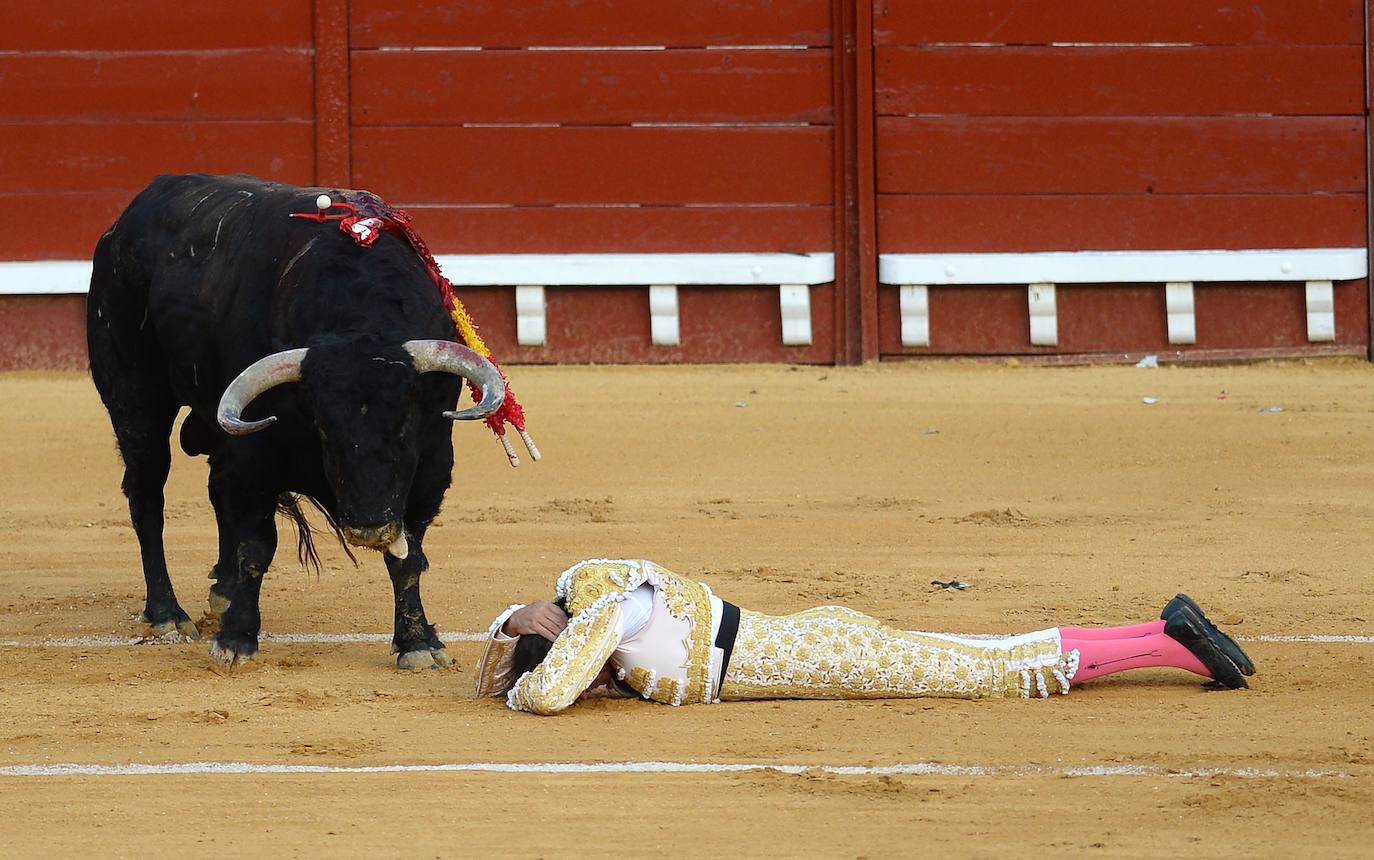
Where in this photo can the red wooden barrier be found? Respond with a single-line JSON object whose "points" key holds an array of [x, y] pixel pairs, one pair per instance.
{"points": [[886, 126], [1149, 125]]}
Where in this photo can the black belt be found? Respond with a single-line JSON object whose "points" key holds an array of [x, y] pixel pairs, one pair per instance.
{"points": [[725, 638]]}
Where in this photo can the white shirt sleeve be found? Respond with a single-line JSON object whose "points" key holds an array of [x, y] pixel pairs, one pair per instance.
{"points": [[635, 610]]}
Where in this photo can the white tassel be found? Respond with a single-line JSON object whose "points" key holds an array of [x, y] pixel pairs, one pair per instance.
{"points": [[513, 457], [530, 446]]}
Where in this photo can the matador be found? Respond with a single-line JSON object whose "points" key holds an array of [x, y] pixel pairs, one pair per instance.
{"points": [[642, 630]]}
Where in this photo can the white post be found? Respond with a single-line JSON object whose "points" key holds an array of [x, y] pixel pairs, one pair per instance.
{"points": [[1321, 311], [1178, 307], [663, 315], [531, 324], [794, 301], [914, 300], [1044, 315]]}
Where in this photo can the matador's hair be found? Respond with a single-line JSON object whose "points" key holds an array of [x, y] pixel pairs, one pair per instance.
{"points": [[530, 651]]}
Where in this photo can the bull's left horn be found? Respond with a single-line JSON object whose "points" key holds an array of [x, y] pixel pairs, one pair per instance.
{"points": [[265, 373], [449, 357]]}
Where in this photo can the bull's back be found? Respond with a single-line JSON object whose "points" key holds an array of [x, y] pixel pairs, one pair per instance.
{"points": [[211, 273], [191, 258], [181, 228]]}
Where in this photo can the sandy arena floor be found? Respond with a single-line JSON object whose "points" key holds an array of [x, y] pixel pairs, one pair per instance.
{"points": [[1056, 492]]}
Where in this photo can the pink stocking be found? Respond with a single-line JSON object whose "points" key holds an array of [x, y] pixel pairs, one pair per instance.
{"points": [[1112, 632], [1098, 657]]}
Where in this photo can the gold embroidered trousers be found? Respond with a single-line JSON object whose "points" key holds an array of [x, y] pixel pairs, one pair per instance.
{"points": [[836, 653]]}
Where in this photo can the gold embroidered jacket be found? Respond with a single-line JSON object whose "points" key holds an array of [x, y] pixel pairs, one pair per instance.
{"points": [[593, 591]]}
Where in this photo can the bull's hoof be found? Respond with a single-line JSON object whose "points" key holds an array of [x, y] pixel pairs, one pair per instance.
{"points": [[416, 661], [229, 654], [173, 626]]}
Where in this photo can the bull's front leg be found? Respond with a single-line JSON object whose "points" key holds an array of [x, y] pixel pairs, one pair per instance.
{"points": [[415, 641], [255, 539]]}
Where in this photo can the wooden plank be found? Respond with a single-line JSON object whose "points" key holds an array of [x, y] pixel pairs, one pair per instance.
{"points": [[333, 163], [541, 166], [42, 333], [1219, 155], [1210, 22], [48, 157], [154, 25], [492, 24], [1111, 319], [243, 85], [1243, 315], [82, 217], [963, 321], [611, 325], [1119, 81], [1128, 223], [658, 229], [590, 87]]}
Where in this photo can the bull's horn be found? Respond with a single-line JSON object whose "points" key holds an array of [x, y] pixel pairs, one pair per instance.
{"points": [[450, 357], [265, 373]]}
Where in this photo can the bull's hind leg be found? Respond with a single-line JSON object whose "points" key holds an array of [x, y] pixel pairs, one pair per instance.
{"points": [[147, 460], [132, 382], [415, 642]]}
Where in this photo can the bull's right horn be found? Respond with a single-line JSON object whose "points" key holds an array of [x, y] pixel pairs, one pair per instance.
{"points": [[449, 357], [261, 375]]}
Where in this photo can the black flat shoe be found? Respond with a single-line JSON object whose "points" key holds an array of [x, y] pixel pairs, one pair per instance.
{"points": [[1188, 628], [1226, 643]]}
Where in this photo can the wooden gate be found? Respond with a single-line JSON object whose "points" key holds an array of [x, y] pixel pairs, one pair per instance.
{"points": [[1005, 131]]}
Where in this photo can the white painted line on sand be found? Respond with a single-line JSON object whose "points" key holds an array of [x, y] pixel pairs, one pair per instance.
{"points": [[1320, 638], [113, 641], [664, 767], [106, 640]]}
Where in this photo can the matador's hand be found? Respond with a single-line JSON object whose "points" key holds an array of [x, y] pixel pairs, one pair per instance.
{"points": [[542, 617]]}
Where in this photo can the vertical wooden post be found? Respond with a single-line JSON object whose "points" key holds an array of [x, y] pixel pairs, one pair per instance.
{"points": [[332, 133], [856, 275], [1369, 176], [867, 203]]}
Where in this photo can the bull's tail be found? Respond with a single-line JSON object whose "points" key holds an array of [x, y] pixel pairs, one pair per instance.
{"points": [[289, 506]]}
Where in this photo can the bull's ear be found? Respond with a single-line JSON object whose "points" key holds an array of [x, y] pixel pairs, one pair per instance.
{"points": [[445, 356], [262, 375]]}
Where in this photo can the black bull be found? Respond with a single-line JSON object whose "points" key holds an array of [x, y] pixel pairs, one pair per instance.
{"points": [[204, 276]]}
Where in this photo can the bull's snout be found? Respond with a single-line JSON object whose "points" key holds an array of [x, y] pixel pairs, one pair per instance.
{"points": [[390, 537], [373, 537]]}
